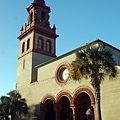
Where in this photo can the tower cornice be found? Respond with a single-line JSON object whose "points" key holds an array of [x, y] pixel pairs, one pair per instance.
{"points": [[46, 32], [35, 5]]}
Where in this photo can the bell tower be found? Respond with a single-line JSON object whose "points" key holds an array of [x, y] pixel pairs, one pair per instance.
{"points": [[37, 43]]}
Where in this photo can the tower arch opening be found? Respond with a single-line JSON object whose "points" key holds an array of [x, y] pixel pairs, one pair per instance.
{"points": [[31, 17], [42, 15], [23, 47], [28, 44]]}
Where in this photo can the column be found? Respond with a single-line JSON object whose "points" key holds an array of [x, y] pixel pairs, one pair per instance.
{"points": [[73, 111], [56, 111]]}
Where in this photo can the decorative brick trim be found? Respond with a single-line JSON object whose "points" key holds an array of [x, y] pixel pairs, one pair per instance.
{"points": [[87, 90], [48, 96], [57, 73], [65, 93]]}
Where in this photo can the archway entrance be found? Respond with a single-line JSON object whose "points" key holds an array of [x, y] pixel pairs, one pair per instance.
{"points": [[64, 109], [83, 106], [49, 110]]}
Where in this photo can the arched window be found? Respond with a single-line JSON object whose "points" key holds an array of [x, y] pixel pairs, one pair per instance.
{"points": [[28, 44], [31, 17], [23, 47], [42, 16], [48, 46], [40, 43]]}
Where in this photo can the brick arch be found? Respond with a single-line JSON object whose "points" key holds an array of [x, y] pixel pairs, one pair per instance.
{"points": [[44, 105], [57, 72], [48, 96], [87, 90], [48, 40], [40, 37], [66, 94]]}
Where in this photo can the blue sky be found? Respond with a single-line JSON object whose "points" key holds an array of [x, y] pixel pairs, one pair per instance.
{"points": [[78, 22]]}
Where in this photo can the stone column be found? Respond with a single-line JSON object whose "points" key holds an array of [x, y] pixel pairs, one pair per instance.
{"points": [[57, 114], [73, 111], [56, 111]]}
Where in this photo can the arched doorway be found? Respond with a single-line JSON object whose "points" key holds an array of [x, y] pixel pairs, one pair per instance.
{"points": [[64, 109], [49, 110], [83, 107]]}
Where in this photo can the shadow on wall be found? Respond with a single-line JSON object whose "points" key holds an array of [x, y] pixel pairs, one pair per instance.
{"points": [[34, 112]]}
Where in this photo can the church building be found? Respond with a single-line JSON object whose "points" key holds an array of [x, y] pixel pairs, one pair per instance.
{"points": [[45, 81]]}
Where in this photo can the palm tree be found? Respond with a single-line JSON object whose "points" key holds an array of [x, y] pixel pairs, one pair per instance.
{"points": [[4, 107], [12, 105], [95, 63], [18, 105]]}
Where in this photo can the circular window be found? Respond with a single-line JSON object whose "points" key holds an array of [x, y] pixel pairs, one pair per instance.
{"points": [[63, 73]]}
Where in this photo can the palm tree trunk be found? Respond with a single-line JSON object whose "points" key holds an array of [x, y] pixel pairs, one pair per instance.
{"points": [[97, 93], [13, 116]]}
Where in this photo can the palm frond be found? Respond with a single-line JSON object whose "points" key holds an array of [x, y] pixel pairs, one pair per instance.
{"points": [[94, 62]]}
